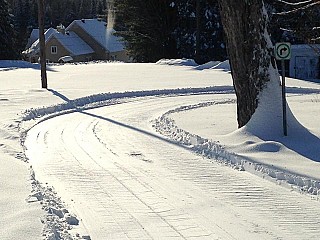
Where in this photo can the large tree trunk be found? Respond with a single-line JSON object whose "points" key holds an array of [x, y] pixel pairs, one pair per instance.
{"points": [[249, 50]]}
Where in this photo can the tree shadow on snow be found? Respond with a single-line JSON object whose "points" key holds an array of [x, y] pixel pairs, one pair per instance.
{"points": [[159, 137], [64, 98], [303, 142], [300, 140]]}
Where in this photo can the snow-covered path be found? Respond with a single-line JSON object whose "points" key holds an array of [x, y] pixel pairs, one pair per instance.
{"points": [[125, 181]]}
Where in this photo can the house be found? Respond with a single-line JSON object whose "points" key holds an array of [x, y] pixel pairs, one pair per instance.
{"points": [[59, 44], [83, 40], [100, 38], [305, 61], [32, 53]]}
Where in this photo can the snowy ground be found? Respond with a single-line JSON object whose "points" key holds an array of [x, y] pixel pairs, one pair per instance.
{"points": [[113, 171]]}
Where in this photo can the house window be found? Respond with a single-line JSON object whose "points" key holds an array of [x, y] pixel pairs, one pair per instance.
{"points": [[54, 49]]}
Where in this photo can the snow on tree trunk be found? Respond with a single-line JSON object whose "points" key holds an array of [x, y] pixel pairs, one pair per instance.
{"points": [[266, 122], [249, 49], [255, 77]]}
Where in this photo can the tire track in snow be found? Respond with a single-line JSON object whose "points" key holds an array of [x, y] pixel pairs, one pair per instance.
{"points": [[128, 181], [195, 196], [89, 167]]}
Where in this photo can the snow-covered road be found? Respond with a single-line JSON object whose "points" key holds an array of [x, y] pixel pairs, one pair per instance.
{"points": [[125, 181]]}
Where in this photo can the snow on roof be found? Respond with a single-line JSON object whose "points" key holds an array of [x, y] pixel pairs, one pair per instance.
{"points": [[34, 35], [99, 31], [305, 46], [73, 43], [35, 46], [48, 33]]}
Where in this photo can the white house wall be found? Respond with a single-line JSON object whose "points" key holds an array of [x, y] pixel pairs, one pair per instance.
{"points": [[304, 62]]}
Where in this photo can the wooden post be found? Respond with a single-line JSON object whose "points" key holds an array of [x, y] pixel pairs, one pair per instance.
{"points": [[42, 55]]}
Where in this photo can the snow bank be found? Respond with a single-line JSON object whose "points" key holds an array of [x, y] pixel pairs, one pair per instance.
{"points": [[208, 65], [223, 66], [59, 221], [190, 62], [177, 62], [217, 152], [113, 98], [14, 64], [266, 122]]}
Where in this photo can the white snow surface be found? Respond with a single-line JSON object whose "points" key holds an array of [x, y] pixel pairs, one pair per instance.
{"points": [[97, 167]]}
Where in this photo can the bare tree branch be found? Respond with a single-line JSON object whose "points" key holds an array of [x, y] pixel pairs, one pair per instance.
{"points": [[296, 3], [299, 8]]}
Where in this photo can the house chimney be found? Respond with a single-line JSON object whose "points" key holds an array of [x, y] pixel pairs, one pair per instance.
{"points": [[61, 29]]}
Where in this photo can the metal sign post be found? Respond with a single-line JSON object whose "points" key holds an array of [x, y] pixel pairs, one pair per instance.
{"points": [[284, 105], [283, 52]]}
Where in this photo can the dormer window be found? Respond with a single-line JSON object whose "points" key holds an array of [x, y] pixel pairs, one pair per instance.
{"points": [[54, 49]]}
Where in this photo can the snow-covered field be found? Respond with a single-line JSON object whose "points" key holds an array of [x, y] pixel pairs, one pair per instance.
{"points": [[152, 151]]}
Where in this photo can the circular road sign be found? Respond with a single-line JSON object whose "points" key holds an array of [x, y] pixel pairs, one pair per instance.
{"points": [[283, 51]]}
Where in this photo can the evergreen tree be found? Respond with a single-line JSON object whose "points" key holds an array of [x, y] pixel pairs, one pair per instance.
{"points": [[147, 28], [210, 43], [185, 30], [21, 22], [7, 43], [193, 34]]}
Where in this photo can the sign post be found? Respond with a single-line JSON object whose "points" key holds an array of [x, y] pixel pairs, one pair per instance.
{"points": [[283, 52]]}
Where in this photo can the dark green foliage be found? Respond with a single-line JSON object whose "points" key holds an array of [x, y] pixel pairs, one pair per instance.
{"points": [[7, 43], [155, 29], [22, 21], [147, 27], [65, 11], [211, 42], [167, 29]]}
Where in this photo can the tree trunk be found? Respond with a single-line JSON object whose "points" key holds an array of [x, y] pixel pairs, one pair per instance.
{"points": [[198, 25], [42, 44], [249, 49]]}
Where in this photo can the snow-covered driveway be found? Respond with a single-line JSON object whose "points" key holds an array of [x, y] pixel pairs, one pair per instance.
{"points": [[125, 181]]}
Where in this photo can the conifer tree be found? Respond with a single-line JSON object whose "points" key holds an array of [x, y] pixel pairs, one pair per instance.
{"points": [[172, 28], [147, 28], [7, 43]]}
